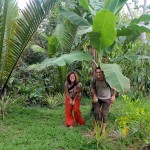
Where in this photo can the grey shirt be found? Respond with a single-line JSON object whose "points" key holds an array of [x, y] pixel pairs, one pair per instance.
{"points": [[102, 89]]}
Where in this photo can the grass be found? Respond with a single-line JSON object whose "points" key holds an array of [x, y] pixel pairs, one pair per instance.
{"points": [[39, 128]]}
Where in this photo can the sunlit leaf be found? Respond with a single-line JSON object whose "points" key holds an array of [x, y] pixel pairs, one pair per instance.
{"points": [[115, 78], [104, 32]]}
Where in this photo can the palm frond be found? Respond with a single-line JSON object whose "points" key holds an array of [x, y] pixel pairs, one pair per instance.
{"points": [[8, 11], [12, 13], [3, 15], [22, 30], [67, 35]]}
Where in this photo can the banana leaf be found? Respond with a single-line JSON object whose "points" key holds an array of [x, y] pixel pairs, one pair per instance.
{"points": [[130, 58], [104, 32], [133, 29], [115, 5], [73, 17], [115, 78], [63, 60]]}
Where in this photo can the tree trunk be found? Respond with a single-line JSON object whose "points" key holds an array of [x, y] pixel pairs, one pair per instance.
{"points": [[143, 35], [130, 13]]}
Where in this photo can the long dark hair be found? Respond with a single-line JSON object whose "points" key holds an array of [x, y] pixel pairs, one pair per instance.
{"points": [[76, 77]]}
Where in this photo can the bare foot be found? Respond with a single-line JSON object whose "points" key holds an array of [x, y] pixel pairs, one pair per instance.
{"points": [[102, 132], [70, 127]]}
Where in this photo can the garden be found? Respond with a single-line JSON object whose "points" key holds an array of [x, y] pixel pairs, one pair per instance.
{"points": [[43, 41]]}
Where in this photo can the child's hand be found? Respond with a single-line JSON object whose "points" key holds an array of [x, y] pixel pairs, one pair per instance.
{"points": [[73, 102], [70, 102]]}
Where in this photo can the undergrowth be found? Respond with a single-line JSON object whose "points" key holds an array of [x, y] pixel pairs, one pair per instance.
{"points": [[41, 128]]}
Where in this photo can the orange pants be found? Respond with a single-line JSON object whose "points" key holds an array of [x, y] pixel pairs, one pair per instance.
{"points": [[69, 112]]}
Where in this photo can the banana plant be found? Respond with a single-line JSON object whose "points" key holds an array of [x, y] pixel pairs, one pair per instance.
{"points": [[62, 42], [103, 31], [59, 43], [104, 23], [16, 31]]}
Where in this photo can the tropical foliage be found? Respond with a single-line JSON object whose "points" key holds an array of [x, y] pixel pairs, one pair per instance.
{"points": [[16, 31], [37, 53], [101, 42], [104, 23]]}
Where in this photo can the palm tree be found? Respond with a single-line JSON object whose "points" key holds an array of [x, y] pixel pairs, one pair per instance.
{"points": [[16, 31]]}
